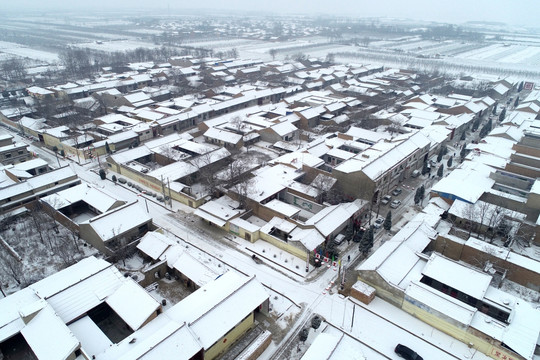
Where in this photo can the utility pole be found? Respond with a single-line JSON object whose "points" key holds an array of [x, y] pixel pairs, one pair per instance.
{"points": [[170, 198]]}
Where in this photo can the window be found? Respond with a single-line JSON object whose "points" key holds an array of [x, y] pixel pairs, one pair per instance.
{"points": [[234, 229]]}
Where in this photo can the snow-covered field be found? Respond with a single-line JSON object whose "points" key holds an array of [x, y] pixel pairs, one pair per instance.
{"points": [[116, 45], [11, 49]]}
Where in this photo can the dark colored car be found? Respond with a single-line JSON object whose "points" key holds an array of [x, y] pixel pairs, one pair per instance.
{"points": [[407, 353]]}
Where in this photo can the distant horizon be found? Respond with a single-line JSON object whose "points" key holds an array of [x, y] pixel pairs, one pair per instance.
{"points": [[520, 13]]}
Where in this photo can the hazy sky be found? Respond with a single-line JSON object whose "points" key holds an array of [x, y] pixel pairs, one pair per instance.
{"points": [[518, 12]]}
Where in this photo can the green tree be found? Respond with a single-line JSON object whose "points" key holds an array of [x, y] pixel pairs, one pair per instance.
{"points": [[55, 150], [107, 147], [114, 179], [502, 115], [494, 109], [367, 241], [419, 195], [520, 87], [463, 136], [516, 102], [449, 162], [387, 225], [463, 153], [316, 322], [440, 155], [102, 174], [440, 171], [476, 124]]}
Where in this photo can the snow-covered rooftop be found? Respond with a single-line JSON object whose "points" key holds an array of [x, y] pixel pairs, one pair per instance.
{"points": [[452, 274], [231, 294], [116, 222], [134, 305]]}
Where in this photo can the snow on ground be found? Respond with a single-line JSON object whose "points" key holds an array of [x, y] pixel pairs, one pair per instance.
{"points": [[45, 247], [116, 45], [316, 293], [25, 52]]}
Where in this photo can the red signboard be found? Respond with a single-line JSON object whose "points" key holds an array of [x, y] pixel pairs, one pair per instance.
{"points": [[528, 85]]}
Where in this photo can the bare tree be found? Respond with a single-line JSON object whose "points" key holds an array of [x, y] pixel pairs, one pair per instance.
{"points": [[3, 280], [497, 215], [330, 58], [65, 249], [11, 266], [243, 190], [207, 171], [236, 123], [323, 183], [39, 220], [469, 214], [168, 152], [14, 69], [273, 53]]}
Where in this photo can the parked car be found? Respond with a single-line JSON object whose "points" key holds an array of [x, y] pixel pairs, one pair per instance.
{"points": [[339, 239], [386, 199], [407, 353], [395, 204], [256, 259], [378, 223], [397, 191]]}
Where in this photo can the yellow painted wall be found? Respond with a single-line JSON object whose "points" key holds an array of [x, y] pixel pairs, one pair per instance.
{"points": [[73, 153], [493, 350], [300, 253], [229, 339], [242, 233], [155, 185], [51, 141]]}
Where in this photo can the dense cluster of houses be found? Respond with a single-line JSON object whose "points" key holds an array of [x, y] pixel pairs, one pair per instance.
{"points": [[284, 160]]}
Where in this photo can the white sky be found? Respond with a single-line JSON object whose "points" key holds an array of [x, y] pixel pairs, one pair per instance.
{"points": [[519, 12]]}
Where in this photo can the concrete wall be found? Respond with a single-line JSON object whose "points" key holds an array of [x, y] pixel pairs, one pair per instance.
{"points": [[355, 185], [51, 141], [522, 170], [286, 246], [309, 205], [385, 291], [149, 273], [448, 247], [456, 249], [511, 180], [533, 202], [254, 236], [89, 235], [507, 203], [529, 161], [515, 272]]}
